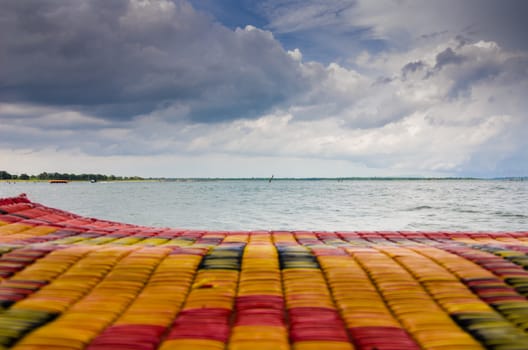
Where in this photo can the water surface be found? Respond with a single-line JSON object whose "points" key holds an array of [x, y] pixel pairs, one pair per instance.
{"points": [[474, 205]]}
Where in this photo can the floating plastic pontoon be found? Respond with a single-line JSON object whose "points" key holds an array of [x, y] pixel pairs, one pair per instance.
{"points": [[70, 282]]}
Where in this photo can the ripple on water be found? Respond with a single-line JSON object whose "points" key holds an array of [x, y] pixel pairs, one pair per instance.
{"points": [[420, 207]]}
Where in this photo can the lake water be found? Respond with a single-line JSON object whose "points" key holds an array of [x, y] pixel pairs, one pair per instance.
{"points": [[470, 205]]}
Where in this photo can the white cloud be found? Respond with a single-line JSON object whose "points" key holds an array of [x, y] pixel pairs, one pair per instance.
{"points": [[296, 54]]}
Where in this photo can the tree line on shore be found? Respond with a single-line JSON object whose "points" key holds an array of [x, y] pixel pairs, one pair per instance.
{"points": [[45, 176]]}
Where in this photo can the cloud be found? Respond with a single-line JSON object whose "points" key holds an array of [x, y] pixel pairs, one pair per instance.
{"points": [[412, 67], [389, 19], [448, 56], [442, 148], [345, 27], [125, 58]]}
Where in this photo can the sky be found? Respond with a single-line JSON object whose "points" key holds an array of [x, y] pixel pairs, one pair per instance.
{"points": [[250, 88]]}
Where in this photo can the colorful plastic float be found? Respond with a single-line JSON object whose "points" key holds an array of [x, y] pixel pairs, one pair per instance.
{"points": [[71, 282]]}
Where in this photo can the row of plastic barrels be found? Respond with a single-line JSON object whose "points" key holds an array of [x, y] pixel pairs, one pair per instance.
{"points": [[204, 321], [449, 278], [283, 290], [92, 289]]}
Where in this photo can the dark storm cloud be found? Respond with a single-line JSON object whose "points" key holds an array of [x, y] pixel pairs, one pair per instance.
{"points": [[474, 63], [122, 58], [412, 67], [448, 56]]}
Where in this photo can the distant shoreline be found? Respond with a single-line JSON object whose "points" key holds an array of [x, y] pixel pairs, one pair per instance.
{"points": [[339, 179]]}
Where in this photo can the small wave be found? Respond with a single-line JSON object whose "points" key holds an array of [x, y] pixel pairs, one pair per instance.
{"points": [[467, 211], [511, 215], [421, 207]]}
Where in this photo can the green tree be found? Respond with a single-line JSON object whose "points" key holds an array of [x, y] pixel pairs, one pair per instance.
{"points": [[4, 175]]}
